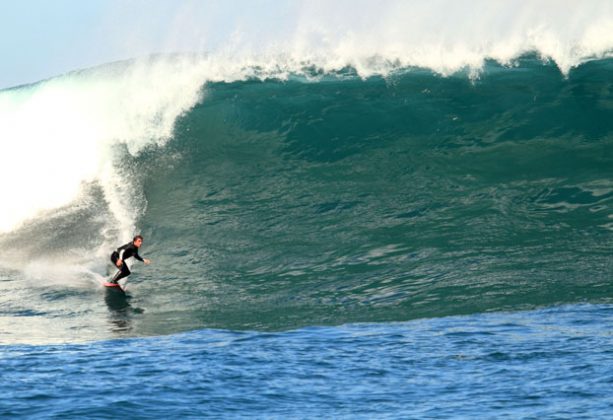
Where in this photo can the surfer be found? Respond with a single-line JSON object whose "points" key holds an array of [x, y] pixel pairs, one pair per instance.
{"points": [[124, 252]]}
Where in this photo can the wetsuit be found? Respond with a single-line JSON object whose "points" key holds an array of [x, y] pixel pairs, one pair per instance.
{"points": [[123, 253]]}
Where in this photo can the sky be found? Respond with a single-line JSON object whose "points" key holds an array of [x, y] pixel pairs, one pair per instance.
{"points": [[44, 38], [41, 38]]}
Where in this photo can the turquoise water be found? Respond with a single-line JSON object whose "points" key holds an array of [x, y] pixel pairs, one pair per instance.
{"points": [[385, 200], [403, 246]]}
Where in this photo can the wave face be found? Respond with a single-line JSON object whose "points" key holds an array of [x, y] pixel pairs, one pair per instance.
{"points": [[322, 198]]}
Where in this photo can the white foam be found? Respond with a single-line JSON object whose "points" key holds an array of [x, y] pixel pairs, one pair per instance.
{"points": [[375, 36], [42, 272], [61, 133]]}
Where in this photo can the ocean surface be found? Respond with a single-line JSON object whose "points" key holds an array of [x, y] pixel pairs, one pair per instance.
{"points": [[551, 363], [324, 244]]}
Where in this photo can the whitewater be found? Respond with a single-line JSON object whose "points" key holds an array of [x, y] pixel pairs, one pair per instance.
{"points": [[349, 214]]}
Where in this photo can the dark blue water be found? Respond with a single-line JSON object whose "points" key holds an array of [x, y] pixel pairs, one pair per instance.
{"points": [[552, 363]]}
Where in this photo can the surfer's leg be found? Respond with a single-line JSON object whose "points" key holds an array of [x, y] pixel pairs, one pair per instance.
{"points": [[124, 271]]}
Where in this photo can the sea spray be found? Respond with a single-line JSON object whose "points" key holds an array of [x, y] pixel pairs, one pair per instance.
{"points": [[72, 130]]}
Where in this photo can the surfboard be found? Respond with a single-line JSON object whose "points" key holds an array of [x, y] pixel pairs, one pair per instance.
{"points": [[113, 286]]}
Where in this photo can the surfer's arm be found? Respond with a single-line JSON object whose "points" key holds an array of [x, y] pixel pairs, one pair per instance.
{"points": [[144, 260]]}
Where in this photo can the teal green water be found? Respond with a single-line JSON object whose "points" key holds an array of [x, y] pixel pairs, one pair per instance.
{"points": [[284, 204]]}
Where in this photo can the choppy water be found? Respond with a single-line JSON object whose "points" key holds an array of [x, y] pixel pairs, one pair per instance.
{"points": [[554, 363]]}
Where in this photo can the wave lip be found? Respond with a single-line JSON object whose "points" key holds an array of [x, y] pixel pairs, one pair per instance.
{"points": [[447, 36], [376, 37]]}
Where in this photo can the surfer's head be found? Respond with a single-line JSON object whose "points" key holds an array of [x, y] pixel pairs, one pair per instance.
{"points": [[137, 241]]}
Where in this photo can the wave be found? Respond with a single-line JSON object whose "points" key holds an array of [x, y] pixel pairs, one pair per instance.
{"points": [[272, 199], [82, 119]]}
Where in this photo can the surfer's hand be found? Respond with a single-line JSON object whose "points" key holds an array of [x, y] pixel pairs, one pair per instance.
{"points": [[119, 263], [147, 261]]}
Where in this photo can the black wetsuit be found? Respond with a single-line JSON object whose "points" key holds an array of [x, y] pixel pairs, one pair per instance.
{"points": [[123, 253]]}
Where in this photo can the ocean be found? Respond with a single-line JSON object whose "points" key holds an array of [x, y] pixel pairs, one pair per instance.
{"points": [[403, 244]]}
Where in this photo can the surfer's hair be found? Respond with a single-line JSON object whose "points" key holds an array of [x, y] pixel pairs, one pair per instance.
{"points": [[137, 237]]}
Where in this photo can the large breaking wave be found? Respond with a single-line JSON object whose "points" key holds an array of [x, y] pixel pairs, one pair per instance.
{"points": [[325, 179]]}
